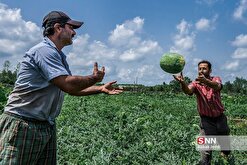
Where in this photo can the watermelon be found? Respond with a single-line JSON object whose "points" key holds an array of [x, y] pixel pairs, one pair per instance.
{"points": [[172, 63]]}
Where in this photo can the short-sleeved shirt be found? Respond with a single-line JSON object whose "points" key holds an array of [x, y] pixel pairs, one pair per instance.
{"points": [[208, 100], [34, 96]]}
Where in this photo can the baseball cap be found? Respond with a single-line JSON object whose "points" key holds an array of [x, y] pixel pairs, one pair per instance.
{"points": [[60, 17]]}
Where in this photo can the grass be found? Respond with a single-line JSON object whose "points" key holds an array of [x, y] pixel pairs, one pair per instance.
{"points": [[137, 128]]}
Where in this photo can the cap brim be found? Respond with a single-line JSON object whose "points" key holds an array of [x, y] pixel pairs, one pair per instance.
{"points": [[75, 24]]}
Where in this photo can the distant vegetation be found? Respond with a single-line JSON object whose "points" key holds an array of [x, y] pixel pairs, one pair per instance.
{"points": [[238, 86], [8, 76]]}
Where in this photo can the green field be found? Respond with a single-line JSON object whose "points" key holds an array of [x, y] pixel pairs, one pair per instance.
{"points": [[136, 128]]}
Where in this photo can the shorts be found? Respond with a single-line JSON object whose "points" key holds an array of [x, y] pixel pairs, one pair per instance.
{"points": [[215, 126], [26, 142]]}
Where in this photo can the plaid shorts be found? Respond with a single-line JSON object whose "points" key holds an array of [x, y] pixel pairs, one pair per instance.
{"points": [[26, 142]]}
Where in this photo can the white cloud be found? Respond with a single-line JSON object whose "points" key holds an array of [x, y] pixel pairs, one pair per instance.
{"points": [[183, 44], [240, 10], [183, 27], [126, 74], [196, 61], [144, 69], [234, 68], [141, 50], [126, 33], [184, 40], [240, 40], [85, 53], [238, 64], [129, 55], [240, 53], [144, 74], [239, 56], [124, 55], [203, 24], [8, 46], [206, 24], [16, 34], [233, 65], [208, 2]]}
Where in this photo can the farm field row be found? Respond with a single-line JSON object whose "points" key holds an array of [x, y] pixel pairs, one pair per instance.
{"points": [[137, 128]]}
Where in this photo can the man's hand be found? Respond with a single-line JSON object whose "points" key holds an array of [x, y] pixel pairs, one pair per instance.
{"points": [[109, 89], [179, 78], [98, 74], [186, 89], [201, 78]]}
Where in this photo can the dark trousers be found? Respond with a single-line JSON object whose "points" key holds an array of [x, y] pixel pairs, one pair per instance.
{"points": [[213, 126]]}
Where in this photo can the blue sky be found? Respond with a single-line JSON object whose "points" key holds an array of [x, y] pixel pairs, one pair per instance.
{"points": [[129, 37]]}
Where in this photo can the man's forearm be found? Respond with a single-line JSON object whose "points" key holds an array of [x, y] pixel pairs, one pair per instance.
{"points": [[80, 82], [88, 91], [74, 84], [185, 88], [213, 84]]}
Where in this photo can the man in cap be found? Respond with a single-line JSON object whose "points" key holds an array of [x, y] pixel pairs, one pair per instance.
{"points": [[27, 126]]}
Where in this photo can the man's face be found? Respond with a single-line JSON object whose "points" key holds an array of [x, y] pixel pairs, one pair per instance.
{"points": [[67, 34], [204, 70]]}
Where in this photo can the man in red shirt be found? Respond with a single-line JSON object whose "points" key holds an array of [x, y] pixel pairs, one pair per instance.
{"points": [[207, 90]]}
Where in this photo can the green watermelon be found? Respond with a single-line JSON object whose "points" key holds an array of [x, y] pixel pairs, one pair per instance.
{"points": [[172, 63]]}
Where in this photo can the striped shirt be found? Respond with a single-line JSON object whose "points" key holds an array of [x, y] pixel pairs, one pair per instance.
{"points": [[208, 100]]}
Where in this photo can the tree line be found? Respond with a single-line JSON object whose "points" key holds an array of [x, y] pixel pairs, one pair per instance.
{"points": [[238, 86], [7, 76]]}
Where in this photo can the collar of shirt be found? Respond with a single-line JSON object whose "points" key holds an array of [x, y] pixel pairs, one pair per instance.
{"points": [[49, 42]]}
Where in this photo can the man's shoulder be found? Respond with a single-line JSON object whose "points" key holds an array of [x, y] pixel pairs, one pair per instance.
{"points": [[216, 78], [42, 50], [42, 46]]}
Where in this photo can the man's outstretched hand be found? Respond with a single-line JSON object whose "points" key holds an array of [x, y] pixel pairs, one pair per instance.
{"points": [[179, 78], [109, 89]]}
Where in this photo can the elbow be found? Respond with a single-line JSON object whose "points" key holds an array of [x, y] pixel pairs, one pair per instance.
{"points": [[70, 90], [189, 93], [218, 87], [74, 93], [67, 84]]}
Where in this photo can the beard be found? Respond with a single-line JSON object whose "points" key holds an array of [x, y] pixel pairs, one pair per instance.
{"points": [[66, 39]]}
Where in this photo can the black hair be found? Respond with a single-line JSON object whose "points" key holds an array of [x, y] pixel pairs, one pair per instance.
{"points": [[207, 62], [49, 28]]}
